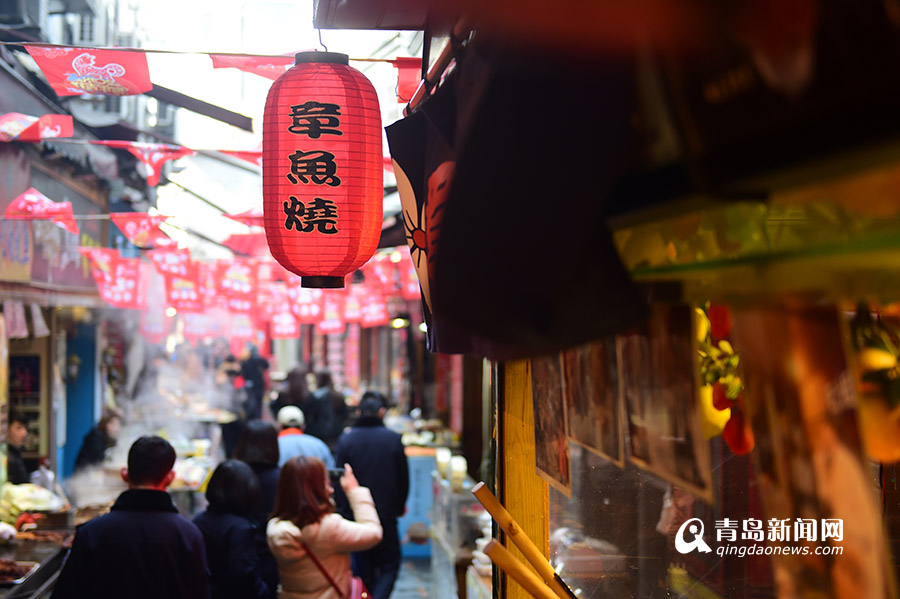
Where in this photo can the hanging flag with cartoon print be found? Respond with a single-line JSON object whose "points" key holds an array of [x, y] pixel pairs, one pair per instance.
{"points": [[76, 71]]}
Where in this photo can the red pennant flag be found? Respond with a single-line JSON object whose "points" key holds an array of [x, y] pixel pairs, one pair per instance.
{"points": [[332, 321], [183, 291], [151, 156], [252, 156], [248, 244], [237, 278], [271, 298], [117, 278], [33, 205], [102, 262], [12, 124], [127, 292], [142, 229], [75, 71], [49, 126], [306, 304], [379, 272], [206, 276], [175, 262], [15, 126], [270, 67], [356, 297], [284, 325], [375, 311], [251, 218], [409, 74], [241, 330]]}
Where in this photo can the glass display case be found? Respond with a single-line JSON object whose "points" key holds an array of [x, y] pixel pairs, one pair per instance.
{"points": [[456, 524]]}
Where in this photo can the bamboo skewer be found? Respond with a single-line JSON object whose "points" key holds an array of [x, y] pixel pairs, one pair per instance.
{"points": [[507, 562], [508, 524]]}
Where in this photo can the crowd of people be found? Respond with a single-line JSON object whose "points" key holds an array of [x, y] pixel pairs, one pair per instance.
{"points": [[298, 508]]}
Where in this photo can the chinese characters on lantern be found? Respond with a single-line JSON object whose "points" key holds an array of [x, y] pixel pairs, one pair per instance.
{"points": [[313, 119]]}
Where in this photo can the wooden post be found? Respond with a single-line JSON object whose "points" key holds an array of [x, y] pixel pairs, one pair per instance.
{"points": [[524, 494]]}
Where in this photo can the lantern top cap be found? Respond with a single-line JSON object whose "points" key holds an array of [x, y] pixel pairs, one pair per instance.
{"points": [[329, 57]]}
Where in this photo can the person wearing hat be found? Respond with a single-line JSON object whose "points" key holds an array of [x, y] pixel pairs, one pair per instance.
{"points": [[293, 442]]}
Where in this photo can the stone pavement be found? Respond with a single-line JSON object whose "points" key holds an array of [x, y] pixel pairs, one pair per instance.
{"points": [[414, 581]]}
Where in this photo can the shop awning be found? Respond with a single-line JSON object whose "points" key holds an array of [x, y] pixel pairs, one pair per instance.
{"points": [[49, 295]]}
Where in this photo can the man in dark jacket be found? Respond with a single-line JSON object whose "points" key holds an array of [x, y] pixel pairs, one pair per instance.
{"points": [[142, 549], [379, 462]]}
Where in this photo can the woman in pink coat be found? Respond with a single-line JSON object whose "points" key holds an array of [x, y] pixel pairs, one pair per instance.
{"points": [[304, 513]]}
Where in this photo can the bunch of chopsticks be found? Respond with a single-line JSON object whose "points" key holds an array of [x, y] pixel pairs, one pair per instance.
{"points": [[549, 585]]}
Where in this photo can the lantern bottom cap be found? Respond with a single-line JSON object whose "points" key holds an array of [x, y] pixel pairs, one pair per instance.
{"points": [[322, 282]]}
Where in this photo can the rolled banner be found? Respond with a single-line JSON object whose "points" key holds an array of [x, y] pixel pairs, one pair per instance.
{"points": [[506, 522], [507, 562]]}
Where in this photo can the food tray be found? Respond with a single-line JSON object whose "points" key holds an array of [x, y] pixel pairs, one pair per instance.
{"points": [[32, 568]]}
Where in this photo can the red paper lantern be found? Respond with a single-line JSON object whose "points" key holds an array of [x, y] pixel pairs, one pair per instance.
{"points": [[322, 169]]}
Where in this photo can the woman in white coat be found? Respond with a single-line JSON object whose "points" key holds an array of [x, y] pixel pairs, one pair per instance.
{"points": [[304, 514]]}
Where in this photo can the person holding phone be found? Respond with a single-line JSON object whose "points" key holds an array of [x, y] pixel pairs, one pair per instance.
{"points": [[304, 522]]}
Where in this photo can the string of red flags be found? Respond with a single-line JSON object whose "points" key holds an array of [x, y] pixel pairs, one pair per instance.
{"points": [[33, 205], [73, 71], [15, 126]]}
